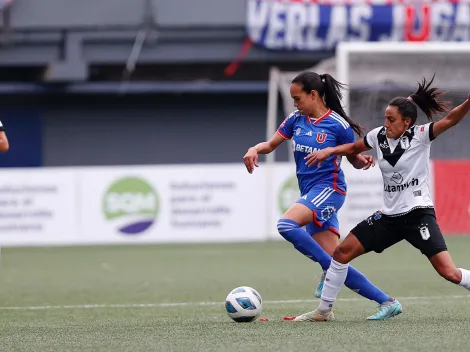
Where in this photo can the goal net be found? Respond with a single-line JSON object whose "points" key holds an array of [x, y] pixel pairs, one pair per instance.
{"points": [[374, 74]]}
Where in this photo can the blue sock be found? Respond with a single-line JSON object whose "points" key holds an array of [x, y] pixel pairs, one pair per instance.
{"points": [[357, 282], [306, 245]]}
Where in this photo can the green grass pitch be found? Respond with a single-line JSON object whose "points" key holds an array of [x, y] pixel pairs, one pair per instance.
{"points": [[170, 298]]}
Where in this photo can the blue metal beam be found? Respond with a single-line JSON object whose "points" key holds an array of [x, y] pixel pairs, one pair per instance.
{"points": [[137, 87]]}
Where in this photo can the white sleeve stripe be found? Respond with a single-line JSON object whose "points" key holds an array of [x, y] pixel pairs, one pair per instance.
{"points": [[343, 123], [342, 119]]}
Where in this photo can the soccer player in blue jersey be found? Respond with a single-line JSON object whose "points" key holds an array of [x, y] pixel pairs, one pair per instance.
{"points": [[320, 122]]}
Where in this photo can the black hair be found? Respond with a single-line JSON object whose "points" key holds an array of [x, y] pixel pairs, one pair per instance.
{"points": [[426, 98], [330, 90]]}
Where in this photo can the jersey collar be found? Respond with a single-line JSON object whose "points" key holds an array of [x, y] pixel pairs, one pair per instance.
{"points": [[408, 133], [321, 118]]}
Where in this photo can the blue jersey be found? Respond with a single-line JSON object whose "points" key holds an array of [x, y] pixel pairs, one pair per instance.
{"points": [[310, 135]]}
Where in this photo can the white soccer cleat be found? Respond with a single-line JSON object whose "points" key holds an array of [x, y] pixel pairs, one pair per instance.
{"points": [[316, 315]]}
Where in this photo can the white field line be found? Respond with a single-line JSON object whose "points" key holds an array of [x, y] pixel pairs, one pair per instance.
{"points": [[420, 299]]}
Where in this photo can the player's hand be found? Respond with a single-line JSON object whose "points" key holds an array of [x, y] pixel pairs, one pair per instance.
{"points": [[367, 160], [251, 160], [318, 157]]}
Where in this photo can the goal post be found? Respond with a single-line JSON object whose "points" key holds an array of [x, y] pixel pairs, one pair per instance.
{"points": [[279, 85], [413, 60]]}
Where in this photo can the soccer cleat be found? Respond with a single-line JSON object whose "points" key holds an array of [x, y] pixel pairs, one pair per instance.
{"points": [[316, 315], [387, 310], [319, 288]]}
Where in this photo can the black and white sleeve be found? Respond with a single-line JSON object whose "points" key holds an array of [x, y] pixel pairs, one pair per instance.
{"points": [[424, 133], [370, 139]]}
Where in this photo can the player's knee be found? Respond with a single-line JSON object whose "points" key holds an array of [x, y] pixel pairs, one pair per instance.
{"points": [[342, 254], [451, 274]]}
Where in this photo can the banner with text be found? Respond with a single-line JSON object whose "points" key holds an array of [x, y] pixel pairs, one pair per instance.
{"points": [[175, 203], [315, 25], [38, 207]]}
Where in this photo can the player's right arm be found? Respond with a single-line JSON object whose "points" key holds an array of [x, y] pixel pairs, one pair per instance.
{"points": [[452, 118], [251, 157], [349, 150], [285, 131]]}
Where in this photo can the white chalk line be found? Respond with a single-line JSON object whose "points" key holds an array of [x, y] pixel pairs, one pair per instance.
{"points": [[419, 299]]}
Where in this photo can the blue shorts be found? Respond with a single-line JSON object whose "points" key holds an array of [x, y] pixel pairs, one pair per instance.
{"points": [[324, 202]]}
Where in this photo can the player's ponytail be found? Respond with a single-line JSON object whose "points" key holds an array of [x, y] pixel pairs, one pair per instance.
{"points": [[333, 97], [328, 88], [426, 98]]}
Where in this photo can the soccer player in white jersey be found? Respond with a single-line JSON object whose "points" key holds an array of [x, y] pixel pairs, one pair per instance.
{"points": [[320, 122], [403, 152]]}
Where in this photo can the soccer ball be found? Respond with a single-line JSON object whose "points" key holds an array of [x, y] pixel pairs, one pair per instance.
{"points": [[244, 304]]}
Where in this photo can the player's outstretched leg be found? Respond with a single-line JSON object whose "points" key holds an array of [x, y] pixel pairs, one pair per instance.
{"points": [[445, 266], [387, 310], [465, 281], [306, 245], [336, 276]]}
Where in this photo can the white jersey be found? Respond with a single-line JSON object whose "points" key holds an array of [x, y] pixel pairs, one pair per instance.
{"points": [[404, 163]]}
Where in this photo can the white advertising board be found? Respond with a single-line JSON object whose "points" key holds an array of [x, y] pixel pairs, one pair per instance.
{"points": [[174, 203], [37, 207]]}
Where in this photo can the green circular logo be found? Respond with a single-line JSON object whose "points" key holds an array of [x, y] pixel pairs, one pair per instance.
{"points": [[131, 204], [288, 194]]}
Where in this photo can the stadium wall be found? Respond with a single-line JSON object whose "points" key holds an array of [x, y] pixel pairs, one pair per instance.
{"points": [[186, 203], [133, 130]]}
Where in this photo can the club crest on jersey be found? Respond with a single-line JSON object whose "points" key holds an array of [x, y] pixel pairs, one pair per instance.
{"points": [[424, 231], [405, 142], [384, 145], [397, 178], [327, 213], [321, 137]]}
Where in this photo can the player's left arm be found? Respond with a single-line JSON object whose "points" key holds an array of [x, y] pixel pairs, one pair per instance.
{"points": [[4, 145], [350, 150], [359, 161], [452, 118], [346, 136]]}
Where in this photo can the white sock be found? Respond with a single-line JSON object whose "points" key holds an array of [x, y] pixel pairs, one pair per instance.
{"points": [[335, 277], [465, 278]]}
